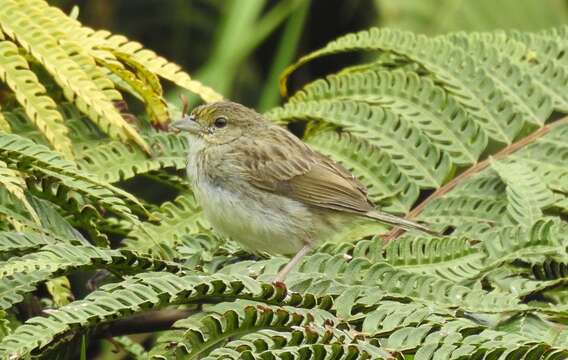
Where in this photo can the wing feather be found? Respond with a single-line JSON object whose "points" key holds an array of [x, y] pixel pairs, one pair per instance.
{"points": [[286, 166]]}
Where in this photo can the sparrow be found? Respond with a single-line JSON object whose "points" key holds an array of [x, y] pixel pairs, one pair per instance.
{"points": [[261, 186]]}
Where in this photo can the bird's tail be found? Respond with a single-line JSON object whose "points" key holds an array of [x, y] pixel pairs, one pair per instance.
{"points": [[399, 222]]}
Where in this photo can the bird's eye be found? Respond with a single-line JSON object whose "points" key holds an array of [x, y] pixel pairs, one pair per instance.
{"points": [[220, 122]]}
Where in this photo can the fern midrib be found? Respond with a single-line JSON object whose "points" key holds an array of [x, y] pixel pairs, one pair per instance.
{"points": [[429, 267]]}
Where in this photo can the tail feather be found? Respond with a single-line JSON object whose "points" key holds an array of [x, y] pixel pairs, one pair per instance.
{"points": [[400, 222]]}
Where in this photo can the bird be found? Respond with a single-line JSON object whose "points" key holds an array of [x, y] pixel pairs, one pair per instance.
{"points": [[260, 185]]}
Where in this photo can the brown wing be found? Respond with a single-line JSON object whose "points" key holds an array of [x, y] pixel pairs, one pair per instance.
{"points": [[284, 165]]}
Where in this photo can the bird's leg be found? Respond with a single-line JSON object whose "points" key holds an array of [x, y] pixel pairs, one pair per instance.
{"points": [[293, 262]]}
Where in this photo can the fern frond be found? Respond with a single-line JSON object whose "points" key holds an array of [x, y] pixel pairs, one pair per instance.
{"points": [[150, 60], [131, 347], [60, 290], [12, 243], [77, 85], [114, 161], [315, 351], [450, 66], [29, 157], [432, 342], [412, 97], [450, 258], [408, 148], [155, 105], [203, 333], [4, 124], [178, 218], [511, 241], [541, 60], [459, 211], [21, 275], [387, 186], [334, 275], [98, 41], [547, 158], [148, 290], [15, 184], [31, 95], [527, 195], [528, 98]]}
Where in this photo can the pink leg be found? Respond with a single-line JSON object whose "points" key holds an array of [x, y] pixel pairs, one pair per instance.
{"points": [[295, 260]]}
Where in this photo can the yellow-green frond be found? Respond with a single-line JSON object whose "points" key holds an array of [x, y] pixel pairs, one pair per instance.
{"points": [[12, 181], [4, 124], [31, 95], [98, 41], [156, 107], [75, 82]]}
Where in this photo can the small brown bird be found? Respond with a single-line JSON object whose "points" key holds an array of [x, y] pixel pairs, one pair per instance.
{"points": [[263, 187]]}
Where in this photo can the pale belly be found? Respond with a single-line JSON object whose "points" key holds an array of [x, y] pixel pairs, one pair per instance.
{"points": [[269, 223]]}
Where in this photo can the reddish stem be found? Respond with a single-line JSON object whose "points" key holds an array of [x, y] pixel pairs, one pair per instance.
{"points": [[396, 232]]}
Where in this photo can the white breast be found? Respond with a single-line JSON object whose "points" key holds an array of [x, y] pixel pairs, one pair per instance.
{"points": [[269, 223]]}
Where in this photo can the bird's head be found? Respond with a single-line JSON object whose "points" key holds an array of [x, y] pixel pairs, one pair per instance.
{"points": [[220, 122]]}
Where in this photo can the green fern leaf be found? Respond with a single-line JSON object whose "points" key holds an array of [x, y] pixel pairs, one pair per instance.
{"points": [[60, 290], [526, 193], [203, 333], [178, 218], [409, 149], [15, 184], [12, 243], [30, 157], [114, 161], [142, 291], [504, 242], [386, 184], [545, 60], [21, 275], [155, 106], [4, 124], [450, 258], [412, 97], [547, 157], [450, 65], [459, 211], [528, 99]]}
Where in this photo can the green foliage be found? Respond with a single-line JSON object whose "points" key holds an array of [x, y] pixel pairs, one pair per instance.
{"points": [[69, 53], [455, 131]]}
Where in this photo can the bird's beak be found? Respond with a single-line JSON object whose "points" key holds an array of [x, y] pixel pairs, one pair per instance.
{"points": [[188, 124]]}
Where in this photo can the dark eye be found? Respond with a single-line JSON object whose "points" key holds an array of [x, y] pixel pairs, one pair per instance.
{"points": [[220, 122]]}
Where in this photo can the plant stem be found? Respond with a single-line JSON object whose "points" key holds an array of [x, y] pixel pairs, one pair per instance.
{"points": [[150, 321], [396, 232], [286, 50]]}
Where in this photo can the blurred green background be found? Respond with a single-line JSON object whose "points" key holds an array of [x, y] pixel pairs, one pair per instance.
{"points": [[239, 47]]}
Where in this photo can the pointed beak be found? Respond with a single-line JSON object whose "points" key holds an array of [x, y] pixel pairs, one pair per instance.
{"points": [[188, 124]]}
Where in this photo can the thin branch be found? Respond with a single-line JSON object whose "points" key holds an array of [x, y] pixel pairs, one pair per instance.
{"points": [[396, 232], [150, 321]]}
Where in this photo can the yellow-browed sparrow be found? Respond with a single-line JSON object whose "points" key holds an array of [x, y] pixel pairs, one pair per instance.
{"points": [[263, 187]]}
